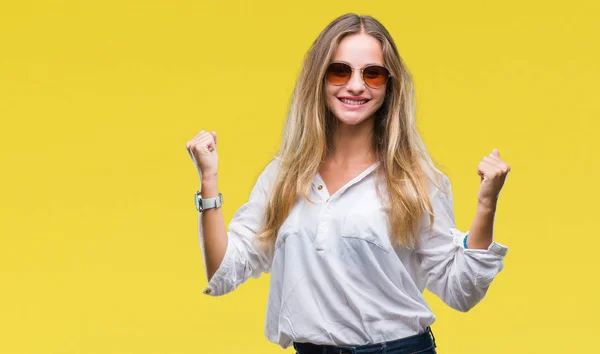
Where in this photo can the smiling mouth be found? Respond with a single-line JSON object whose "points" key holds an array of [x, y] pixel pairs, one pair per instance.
{"points": [[353, 102]]}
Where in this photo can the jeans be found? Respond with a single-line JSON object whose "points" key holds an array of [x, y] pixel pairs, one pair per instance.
{"points": [[423, 343]]}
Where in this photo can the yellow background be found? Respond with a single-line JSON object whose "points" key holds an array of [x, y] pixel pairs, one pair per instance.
{"points": [[99, 250]]}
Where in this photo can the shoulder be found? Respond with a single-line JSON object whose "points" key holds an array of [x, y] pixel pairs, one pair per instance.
{"points": [[437, 182], [269, 173]]}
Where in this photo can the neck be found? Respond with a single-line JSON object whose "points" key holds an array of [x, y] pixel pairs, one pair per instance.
{"points": [[353, 144]]}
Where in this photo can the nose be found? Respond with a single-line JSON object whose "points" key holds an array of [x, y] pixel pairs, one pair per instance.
{"points": [[355, 85]]}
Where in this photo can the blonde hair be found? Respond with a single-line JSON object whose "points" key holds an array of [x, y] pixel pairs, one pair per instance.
{"points": [[308, 132]]}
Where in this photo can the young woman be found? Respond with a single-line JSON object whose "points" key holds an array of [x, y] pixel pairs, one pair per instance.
{"points": [[352, 218]]}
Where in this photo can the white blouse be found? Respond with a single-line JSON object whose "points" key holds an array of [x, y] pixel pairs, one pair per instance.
{"points": [[337, 279]]}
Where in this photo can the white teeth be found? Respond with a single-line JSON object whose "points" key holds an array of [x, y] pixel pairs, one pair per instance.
{"points": [[353, 102]]}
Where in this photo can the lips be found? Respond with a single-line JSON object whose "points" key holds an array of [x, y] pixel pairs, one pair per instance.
{"points": [[353, 101]]}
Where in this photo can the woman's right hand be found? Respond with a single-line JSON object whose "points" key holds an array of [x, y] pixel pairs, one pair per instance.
{"points": [[203, 151]]}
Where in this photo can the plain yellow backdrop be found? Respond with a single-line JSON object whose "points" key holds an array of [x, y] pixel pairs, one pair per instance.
{"points": [[99, 249]]}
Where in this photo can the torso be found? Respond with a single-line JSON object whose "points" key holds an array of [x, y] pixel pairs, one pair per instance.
{"points": [[334, 252]]}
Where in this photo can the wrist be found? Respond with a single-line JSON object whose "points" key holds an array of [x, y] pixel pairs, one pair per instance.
{"points": [[487, 206], [209, 175], [209, 189]]}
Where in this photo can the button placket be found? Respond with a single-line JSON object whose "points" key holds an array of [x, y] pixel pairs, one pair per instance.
{"points": [[322, 229]]}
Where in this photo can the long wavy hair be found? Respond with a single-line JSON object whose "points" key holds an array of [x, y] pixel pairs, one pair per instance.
{"points": [[396, 141]]}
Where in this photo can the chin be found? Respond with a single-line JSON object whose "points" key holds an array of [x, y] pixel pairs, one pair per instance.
{"points": [[351, 118]]}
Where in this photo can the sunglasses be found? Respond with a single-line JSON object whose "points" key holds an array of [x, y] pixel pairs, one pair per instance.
{"points": [[374, 76]]}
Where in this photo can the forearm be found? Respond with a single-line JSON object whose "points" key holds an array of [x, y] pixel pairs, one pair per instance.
{"points": [[481, 233], [212, 228]]}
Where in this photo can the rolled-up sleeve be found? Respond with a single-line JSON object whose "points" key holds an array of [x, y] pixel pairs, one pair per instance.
{"points": [[459, 276], [243, 257]]}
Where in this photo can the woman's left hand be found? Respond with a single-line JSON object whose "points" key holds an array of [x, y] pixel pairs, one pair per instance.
{"points": [[493, 172]]}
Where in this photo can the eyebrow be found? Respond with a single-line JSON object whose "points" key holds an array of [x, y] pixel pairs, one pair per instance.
{"points": [[364, 66]]}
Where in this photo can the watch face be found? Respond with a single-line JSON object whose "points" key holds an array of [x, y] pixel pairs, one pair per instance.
{"points": [[198, 201]]}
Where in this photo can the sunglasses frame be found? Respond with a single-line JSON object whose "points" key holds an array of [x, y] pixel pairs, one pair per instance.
{"points": [[389, 75]]}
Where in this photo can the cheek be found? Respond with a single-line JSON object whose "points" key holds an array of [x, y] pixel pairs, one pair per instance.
{"points": [[330, 95], [378, 99]]}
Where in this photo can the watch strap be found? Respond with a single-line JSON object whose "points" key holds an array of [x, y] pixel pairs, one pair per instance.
{"points": [[210, 203]]}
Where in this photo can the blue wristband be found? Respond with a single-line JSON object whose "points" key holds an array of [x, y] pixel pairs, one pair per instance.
{"points": [[465, 241]]}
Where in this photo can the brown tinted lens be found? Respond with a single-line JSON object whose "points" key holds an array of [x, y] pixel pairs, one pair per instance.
{"points": [[338, 73], [375, 76]]}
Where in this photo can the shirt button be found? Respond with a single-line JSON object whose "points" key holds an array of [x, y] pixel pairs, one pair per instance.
{"points": [[320, 187], [207, 291]]}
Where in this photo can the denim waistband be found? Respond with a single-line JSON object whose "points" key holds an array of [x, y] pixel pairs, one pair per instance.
{"points": [[411, 344]]}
